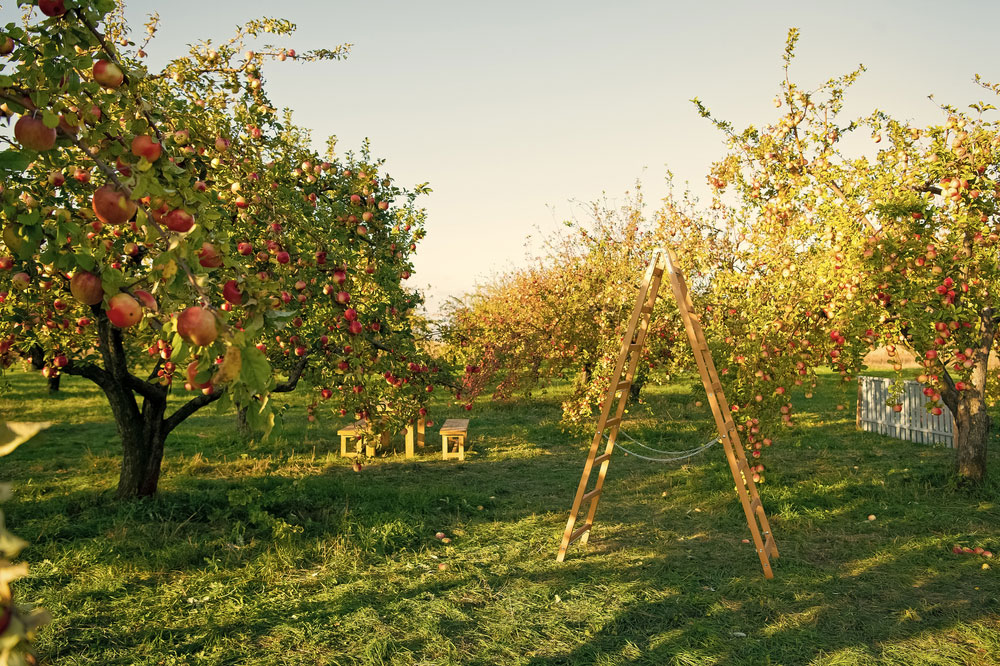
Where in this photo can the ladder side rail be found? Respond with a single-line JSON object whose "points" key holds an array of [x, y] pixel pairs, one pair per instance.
{"points": [[608, 402], [640, 342], [742, 463], [718, 403]]}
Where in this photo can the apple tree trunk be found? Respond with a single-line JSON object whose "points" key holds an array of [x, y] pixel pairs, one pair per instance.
{"points": [[143, 433], [972, 421], [139, 409], [972, 427]]}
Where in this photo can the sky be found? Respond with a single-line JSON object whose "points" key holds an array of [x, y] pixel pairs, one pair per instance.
{"points": [[514, 110]]}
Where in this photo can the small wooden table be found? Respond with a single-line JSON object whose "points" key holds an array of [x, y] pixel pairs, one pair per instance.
{"points": [[361, 433], [457, 429]]}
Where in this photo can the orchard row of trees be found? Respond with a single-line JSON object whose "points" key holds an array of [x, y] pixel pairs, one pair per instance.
{"points": [[563, 316], [813, 250], [171, 233]]}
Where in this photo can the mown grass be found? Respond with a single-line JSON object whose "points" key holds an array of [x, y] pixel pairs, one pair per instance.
{"points": [[277, 553]]}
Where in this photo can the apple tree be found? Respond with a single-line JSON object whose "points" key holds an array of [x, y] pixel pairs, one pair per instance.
{"points": [[846, 234], [157, 224]]}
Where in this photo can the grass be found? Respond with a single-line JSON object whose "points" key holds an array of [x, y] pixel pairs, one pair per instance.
{"points": [[277, 553]]}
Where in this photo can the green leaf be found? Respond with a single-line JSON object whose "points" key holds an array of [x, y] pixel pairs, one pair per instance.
{"points": [[50, 119], [85, 261], [13, 160], [256, 371], [66, 262]]}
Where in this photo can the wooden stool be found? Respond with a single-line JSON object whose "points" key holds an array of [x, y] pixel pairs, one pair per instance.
{"points": [[456, 429], [360, 432], [415, 435]]}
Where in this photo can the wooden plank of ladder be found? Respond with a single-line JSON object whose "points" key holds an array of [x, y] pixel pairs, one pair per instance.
{"points": [[636, 329], [746, 489], [640, 341]]}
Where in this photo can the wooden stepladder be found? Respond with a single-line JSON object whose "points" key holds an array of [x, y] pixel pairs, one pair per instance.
{"points": [[664, 262]]}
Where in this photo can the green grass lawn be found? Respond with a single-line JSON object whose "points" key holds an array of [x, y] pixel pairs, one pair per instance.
{"points": [[277, 553]]}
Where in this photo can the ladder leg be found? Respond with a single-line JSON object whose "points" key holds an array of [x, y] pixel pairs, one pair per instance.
{"points": [[746, 489], [628, 358]]}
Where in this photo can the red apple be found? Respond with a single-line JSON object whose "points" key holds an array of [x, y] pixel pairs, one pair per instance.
{"points": [[339, 277], [112, 206], [231, 292], [283, 257], [20, 280], [192, 372], [355, 328], [147, 300], [108, 74], [343, 297], [32, 133], [56, 178], [245, 249], [86, 288], [6, 46], [350, 314], [52, 8], [197, 325], [124, 311], [208, 256], [178, 220], [146, 146]]}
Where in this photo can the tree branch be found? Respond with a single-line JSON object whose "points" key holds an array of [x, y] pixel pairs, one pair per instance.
{"points": [[145, 389], [156, 369], [840, 193], [293, 379], [189, 408], [113, 57], [96, 374]]}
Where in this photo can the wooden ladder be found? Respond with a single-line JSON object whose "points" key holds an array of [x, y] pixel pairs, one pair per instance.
{"points": [[617, 397]]}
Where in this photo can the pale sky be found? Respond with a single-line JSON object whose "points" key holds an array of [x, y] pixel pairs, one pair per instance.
{"points": [[513, 109]]}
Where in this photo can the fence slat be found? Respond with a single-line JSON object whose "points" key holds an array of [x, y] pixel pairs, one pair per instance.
{"points": [[914, 423]]}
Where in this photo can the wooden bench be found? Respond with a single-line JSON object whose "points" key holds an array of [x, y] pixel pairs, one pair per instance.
{"points": [[362, 436], [457, 429]]}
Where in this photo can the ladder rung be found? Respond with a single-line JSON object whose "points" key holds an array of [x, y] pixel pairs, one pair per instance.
{"points": [[611, 423], [621, 386], [769, 546], [591, 495], [601, 458], [646, 309], [755, 504], [578, 533], [634, 348]]}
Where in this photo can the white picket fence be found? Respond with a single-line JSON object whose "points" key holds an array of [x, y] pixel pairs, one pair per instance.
{"points": [[914, 423]]}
